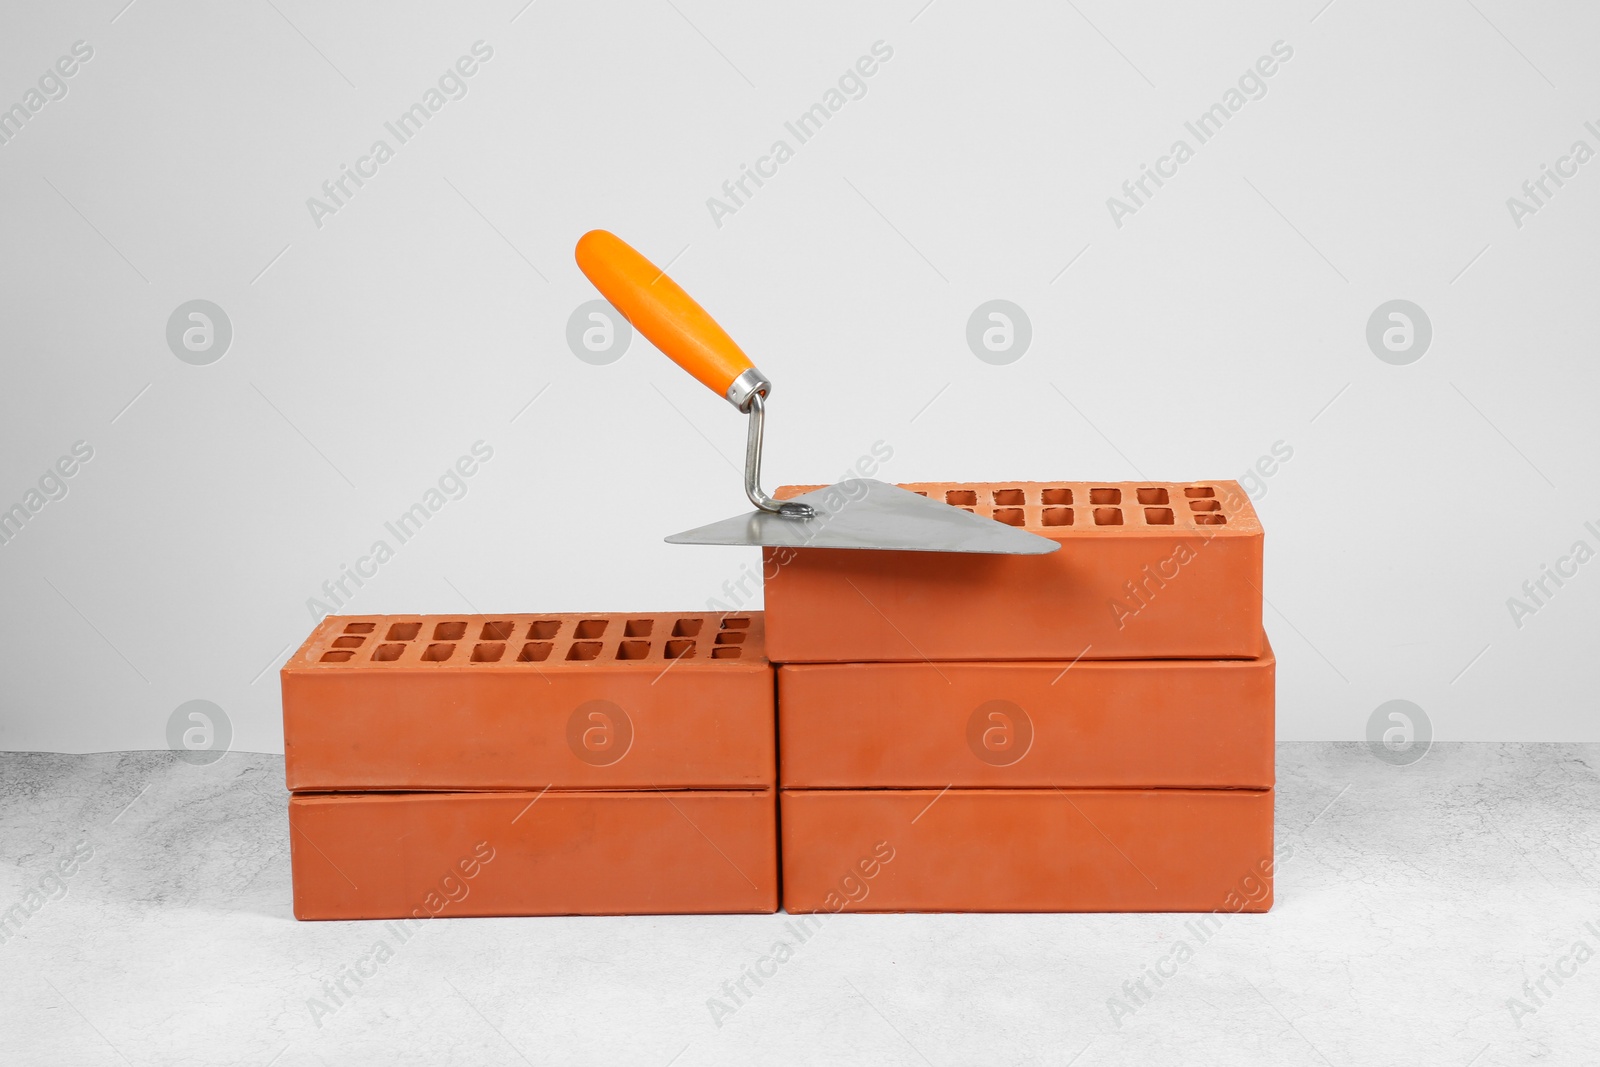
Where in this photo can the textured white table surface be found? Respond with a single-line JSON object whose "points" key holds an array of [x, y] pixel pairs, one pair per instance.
{"points": [[1412, 907]]}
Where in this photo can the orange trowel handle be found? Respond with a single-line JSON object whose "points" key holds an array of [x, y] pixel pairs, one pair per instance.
{"points": [[669, 317]]}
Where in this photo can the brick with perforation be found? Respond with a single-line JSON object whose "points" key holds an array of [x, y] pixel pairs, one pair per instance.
{"points": [[1146, 570], [565, 701]]}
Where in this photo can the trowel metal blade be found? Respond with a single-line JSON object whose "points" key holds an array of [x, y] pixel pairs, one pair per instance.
{"points": [[868, 514]]}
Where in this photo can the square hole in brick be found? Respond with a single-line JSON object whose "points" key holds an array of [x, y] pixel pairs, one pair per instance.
{"points": [[1057, 495], [450, 631], [638, 627], [1014, 497], [1210, 518], [730, 637], [1205, 505], [584, 650], [686, 628], [544, 629], [535, 652], [960, 496], [1152, 496], [1199, 490], [1158, 516], [736, 622], [679, 649], [633, 650], [589, 629], [488, 653], [336, 657], [496, 631], [725, 652], [919, 492], [360, 627], [388, 653], [1108, 516], [348, 642], [404, 631], [1058, 516], [438, 653], [1105, 496], [1009, 516]]}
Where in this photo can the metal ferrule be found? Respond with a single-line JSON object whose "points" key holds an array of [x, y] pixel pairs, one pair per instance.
{"points": [[748, 384]]}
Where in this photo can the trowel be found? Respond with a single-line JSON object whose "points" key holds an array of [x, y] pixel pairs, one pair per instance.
{"points": [[856, 513]]}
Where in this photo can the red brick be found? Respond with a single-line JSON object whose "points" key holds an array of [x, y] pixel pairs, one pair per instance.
{"points": [[449, 702], [384, 856], [1094, 597], [1118, 724], [1027, 850]]}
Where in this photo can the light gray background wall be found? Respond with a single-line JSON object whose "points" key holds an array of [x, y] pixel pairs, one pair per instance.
{"points": [[1227, 315]]}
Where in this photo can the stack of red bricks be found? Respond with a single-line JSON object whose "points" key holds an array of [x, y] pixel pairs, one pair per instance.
{"points": [[1086, 730], [531, 765]]}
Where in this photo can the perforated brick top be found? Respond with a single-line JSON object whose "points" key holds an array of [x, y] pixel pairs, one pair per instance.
{"points": [[541, 642], [1062, 509]]}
